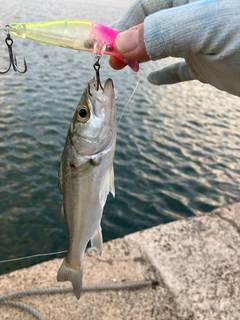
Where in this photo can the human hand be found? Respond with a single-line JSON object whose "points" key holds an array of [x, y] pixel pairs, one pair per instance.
{"points": [[205, 33]]}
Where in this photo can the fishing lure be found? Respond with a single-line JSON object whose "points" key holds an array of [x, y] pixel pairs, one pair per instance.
{"points": [[73, 34]]}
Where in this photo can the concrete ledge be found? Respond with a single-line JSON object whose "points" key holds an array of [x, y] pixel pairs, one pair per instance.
{"points": [[197, 262]]}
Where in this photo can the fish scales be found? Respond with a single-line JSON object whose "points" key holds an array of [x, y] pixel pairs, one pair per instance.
{"points": [[86, 176]]}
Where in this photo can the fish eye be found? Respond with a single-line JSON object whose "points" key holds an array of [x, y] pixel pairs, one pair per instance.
{"points": [[82, 113]]}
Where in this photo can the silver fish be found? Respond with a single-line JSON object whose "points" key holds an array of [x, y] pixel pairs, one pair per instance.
{"points": [[86, 176]]}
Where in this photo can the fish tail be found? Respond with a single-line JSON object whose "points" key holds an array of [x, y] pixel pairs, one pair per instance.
{"points": [[67, 273]]}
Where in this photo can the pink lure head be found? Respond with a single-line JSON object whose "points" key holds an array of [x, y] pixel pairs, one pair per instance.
{"points": [[104, 43]]}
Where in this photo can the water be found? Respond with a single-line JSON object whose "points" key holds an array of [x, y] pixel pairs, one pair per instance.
{"points": [[178, 147]]}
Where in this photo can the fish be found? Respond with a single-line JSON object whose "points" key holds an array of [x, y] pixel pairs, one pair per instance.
{"points": [[73, 34], [86, 176]]}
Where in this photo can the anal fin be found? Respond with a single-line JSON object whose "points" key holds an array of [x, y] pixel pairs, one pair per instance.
{"points": [[97, 241]]}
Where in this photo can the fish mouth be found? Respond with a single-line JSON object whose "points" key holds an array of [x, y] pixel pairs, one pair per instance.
{"points": [[108, 91], [101, 99], [108, 87]]}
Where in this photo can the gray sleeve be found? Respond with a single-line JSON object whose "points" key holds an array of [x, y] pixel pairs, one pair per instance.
{"points": [[206, 26], [205, 34], [140, 9]]}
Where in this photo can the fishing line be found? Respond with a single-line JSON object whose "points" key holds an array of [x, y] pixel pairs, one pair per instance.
{"points": [[34, 256], [130, 98]]}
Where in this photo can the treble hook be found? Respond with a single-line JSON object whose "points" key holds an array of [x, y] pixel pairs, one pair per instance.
{"points": [[12, 58], [96, 67]]}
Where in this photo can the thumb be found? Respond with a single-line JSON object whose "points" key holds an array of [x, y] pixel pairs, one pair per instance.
{"points": [[130, 44], [172, 74]]}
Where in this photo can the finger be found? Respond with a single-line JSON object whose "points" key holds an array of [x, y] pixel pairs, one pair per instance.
{"points": [[130, 44], [116, 63], [140, 9], [175, 73]]}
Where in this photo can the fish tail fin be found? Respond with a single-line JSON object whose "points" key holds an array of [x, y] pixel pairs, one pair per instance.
{"points": [[67, 273]]}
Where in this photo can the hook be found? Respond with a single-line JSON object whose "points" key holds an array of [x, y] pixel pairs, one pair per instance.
{"points": [[12, 58], [96, 67]]}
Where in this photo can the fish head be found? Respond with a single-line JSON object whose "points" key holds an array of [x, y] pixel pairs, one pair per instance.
{"points": [[94, 122]]}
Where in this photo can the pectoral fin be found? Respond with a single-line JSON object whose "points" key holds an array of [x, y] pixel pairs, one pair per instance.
{"points": [[107, 186]]}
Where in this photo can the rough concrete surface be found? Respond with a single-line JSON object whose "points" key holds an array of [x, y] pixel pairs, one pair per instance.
{"points": [[196, 261]]}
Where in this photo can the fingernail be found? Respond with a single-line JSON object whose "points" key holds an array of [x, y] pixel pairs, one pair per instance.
{"points": [[127, 41]]}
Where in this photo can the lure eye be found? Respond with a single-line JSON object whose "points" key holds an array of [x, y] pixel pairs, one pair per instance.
{"points": [[83, 113]]}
